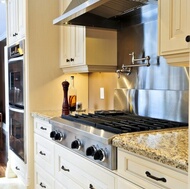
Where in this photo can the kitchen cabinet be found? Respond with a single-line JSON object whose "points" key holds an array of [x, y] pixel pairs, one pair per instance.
{"points": [[16, 20], [149, 174], [173, 19], [18, 167], [42, 179], [43, 155], [125, 184], [87, 50]]}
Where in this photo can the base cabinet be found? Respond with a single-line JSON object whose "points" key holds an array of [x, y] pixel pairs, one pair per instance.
{"points": [[42, 179], [19, 167], [148, 174], [124, 184]]}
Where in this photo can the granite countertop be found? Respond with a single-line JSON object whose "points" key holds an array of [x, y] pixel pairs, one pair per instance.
{"points": [[46, 115], [169, 147]]}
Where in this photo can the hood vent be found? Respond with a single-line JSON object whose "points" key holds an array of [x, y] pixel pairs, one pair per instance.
{"points": [[99, 13]]}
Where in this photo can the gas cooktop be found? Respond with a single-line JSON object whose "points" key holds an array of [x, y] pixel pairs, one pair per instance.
{"points": [[90, 135], [121, 122]]}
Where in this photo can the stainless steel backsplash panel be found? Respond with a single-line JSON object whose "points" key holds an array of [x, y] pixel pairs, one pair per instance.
{"points": [[160, 90], [164, 104]]}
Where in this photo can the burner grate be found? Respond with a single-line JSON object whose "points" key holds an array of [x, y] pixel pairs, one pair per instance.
{"points": [[121, 122]]}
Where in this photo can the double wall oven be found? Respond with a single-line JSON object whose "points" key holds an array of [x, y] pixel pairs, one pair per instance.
{"points": [[16, 99]]}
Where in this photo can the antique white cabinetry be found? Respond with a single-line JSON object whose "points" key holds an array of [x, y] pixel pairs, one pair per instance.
{"points": [[173, 19], [18, 167], [16, 20], [43, 155], [86, 50], [125, 184], [145, 172], [57, 167]]}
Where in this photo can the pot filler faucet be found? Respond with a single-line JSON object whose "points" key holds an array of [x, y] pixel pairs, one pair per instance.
{"points": [[128, 68]]}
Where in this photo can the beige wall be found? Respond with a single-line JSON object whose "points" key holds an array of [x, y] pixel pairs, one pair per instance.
{"points": [[97, 80], [49, 94]]}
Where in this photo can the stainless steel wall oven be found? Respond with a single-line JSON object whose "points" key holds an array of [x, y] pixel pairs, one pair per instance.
{"points": [[16, 99]]}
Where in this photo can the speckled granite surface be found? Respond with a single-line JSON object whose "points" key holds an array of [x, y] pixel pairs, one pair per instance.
{"points": [[46, 114], [169, 147]]}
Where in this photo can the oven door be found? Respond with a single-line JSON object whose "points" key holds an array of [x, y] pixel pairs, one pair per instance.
{"points": [[16, 81], [17, 132]]}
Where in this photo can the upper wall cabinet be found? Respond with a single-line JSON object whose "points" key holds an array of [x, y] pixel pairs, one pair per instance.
{"points": [[174, 27], [16, 26], [87, 50]]}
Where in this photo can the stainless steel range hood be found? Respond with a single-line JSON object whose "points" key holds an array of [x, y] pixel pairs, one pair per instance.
{"points": [[99, 13]]}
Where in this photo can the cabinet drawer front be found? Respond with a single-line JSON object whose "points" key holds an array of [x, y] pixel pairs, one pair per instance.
{"points": [[42, 179], [42, 128], [80, 171], [44, 153], [124, 184], [19, 167], [141, 169]]}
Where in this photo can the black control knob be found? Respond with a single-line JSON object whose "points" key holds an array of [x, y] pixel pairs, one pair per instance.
{"points": [[90, 151], [76, 144], [52, 134], [100, 155], [58, 136], [187, 39]]}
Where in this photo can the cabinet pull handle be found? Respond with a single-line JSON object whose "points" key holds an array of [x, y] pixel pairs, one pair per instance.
{"points": [[64, 169], [43, 154], [187, 39], [15, 34], [41, 184], [91, 186], [43, 128], [72, 59], [67, 60], [148, 174], [17, 168]]}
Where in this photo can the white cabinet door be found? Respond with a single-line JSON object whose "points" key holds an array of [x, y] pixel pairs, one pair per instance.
{"points": [[18, 167], [71, 42], [42, 179], [72, 46], [11, 19], [16, 20], [124, 184], [174, 26], [44, 153]]}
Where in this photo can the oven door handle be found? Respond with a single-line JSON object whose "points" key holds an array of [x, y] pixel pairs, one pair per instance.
{"points": [[16, 110], [16, 59]]}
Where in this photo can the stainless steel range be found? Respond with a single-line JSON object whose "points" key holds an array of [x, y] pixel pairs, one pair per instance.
{"points": [[90, 135]]}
